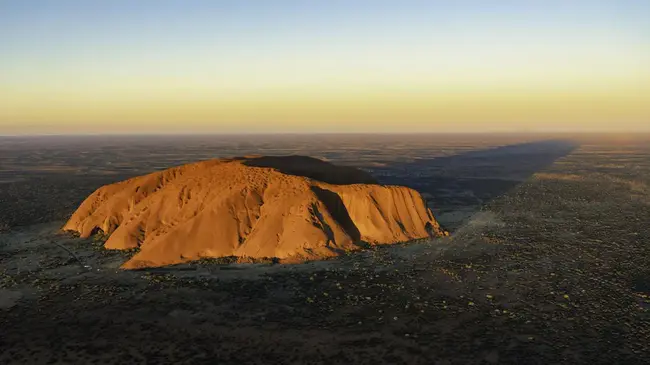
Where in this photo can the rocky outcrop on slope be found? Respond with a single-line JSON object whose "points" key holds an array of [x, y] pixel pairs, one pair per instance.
{"points": [[291, 207]]}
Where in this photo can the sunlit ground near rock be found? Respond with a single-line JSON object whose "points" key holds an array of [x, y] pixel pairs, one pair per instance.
{"points": [[554, 271]]}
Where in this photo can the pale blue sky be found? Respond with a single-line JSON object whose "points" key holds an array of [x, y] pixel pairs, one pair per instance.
{"points": [[56, 53]]}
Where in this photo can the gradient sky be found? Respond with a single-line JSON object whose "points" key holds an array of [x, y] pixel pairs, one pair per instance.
{"points": [[164, 66]]}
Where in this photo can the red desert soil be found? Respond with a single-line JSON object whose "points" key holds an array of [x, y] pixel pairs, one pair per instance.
{"points": [[290, 208]]}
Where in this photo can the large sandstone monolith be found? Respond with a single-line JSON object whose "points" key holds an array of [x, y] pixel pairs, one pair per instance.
{"points": [[289, 208]]}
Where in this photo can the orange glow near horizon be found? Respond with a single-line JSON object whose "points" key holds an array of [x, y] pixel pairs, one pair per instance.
{"points": [[493, 74]]}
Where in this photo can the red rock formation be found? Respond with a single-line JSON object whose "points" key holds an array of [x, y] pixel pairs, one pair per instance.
{"points": [[284, 207]]}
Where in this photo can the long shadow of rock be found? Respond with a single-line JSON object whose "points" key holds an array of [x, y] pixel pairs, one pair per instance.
{"points": [[457, 186]]}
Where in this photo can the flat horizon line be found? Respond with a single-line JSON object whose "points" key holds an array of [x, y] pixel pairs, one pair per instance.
{"points": [[199, 134]]}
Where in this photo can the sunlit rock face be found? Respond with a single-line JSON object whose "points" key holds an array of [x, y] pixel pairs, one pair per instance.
{"points": [[290, 208]]}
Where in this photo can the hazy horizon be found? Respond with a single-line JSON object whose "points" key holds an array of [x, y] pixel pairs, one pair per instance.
{"points": [[540, 134], [72, 67]]}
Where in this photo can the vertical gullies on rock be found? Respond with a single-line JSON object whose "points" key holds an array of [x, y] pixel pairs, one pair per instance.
{"points": [[261, 207]]}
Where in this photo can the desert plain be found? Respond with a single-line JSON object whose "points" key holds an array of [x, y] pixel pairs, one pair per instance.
{"points": [[547, 261]]}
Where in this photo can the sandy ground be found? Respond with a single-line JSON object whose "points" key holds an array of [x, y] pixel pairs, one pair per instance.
{"points": [[555, 271]]}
